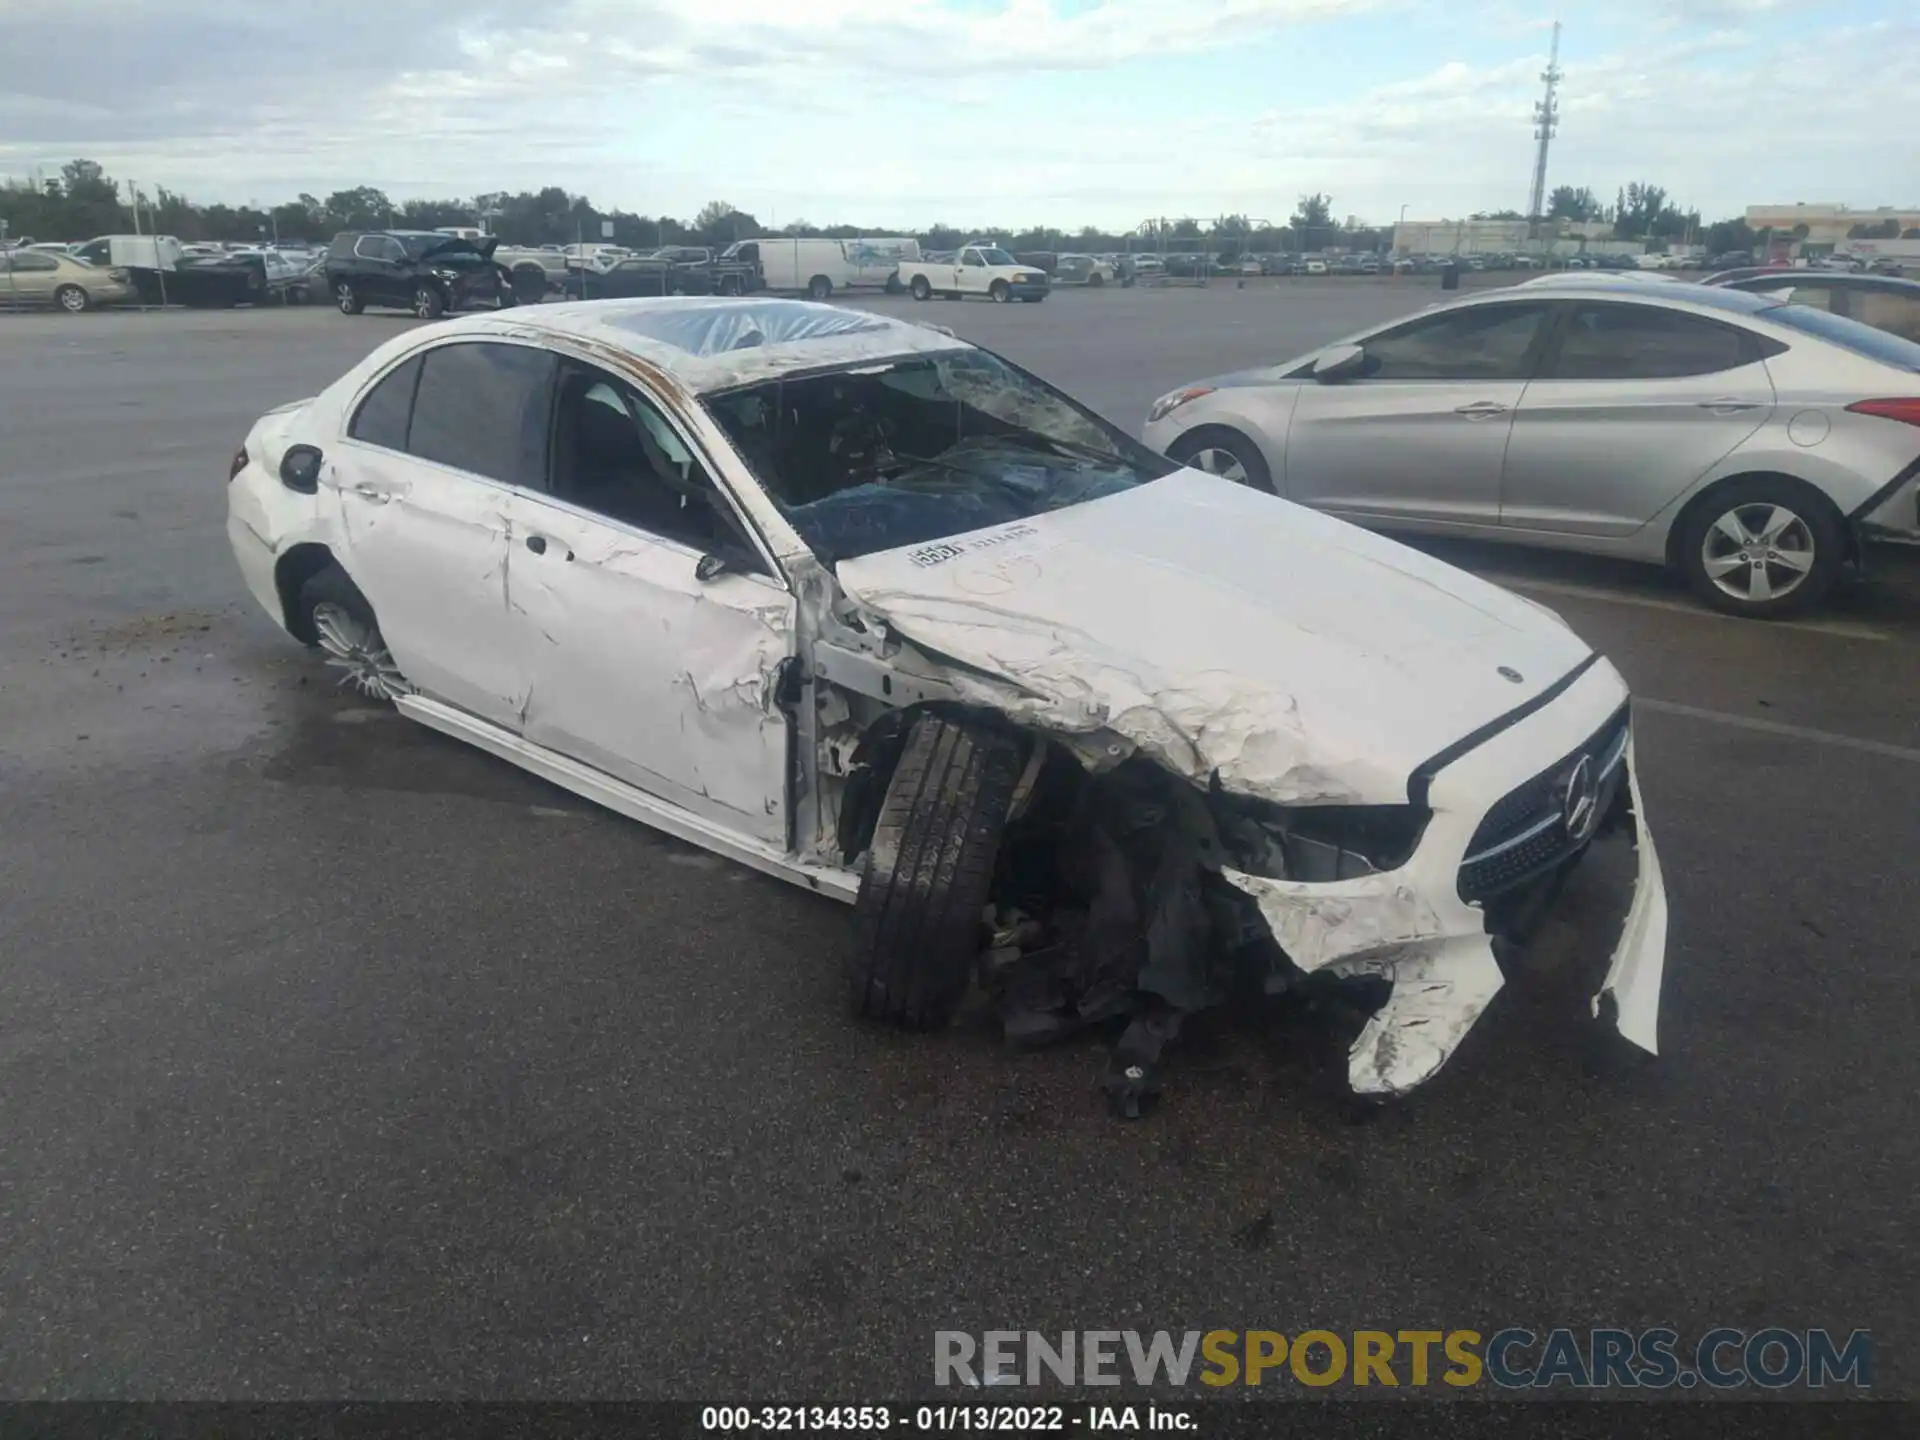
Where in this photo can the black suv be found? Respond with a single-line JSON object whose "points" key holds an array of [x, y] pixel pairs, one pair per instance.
{"points": [[418, 270]]}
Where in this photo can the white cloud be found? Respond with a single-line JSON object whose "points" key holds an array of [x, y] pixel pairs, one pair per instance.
{"points": [[900, 113]]}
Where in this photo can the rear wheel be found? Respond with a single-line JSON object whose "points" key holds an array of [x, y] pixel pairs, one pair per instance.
{"points": [[929, 870], [921, 289], [72, 299], [1223, 452], [1765, 547], [819, 288], [342, 623]]}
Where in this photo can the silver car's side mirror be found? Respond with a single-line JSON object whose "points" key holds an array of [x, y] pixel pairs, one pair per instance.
{"points": [[1342, 362]]}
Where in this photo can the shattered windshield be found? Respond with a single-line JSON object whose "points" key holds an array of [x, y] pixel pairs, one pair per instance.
{"points": [[874, 457]]}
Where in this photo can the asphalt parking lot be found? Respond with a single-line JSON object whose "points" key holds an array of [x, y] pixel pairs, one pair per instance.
{"points": [[339, 1060]]}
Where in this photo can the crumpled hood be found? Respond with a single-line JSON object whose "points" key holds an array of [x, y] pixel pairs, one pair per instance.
{"points": [[1302, 658]]}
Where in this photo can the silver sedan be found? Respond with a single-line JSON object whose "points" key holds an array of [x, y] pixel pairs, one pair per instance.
{"points": [[1748, 443]]}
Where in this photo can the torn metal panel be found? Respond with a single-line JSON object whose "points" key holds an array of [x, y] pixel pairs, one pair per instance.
{"points": [[1438, 992], [1633, 977], [1318, 925]]}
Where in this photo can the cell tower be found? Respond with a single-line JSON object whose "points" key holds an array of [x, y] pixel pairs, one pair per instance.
{"points": [[1546, 119]]}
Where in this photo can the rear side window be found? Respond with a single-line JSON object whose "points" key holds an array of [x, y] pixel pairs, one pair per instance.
{"points": [[483, 408], [382, 417], [1643, 342]]}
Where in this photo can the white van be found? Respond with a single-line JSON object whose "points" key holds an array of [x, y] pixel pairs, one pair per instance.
{"points": [[818, 267], [131, 252]]}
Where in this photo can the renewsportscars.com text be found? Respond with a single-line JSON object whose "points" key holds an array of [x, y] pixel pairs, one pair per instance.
{"points": [[1771, 1358]]}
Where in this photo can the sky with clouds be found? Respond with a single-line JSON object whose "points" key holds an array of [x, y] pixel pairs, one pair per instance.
{"points": [[901, 113]]}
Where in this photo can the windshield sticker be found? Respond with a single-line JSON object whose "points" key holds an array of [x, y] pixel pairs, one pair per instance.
{"points": [[927, 556]]}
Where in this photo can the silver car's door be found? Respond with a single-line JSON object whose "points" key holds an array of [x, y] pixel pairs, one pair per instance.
{"points": [[640, 667], [1421, 431], [422, 483], [1633, 403]]}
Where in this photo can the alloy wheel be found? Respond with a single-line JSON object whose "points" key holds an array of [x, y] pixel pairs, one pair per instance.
{"points": [[355, 649], [1223, 463], [1758, 552]]}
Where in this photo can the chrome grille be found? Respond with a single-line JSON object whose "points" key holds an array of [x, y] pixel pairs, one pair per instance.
{"points": [[1524, 833]]}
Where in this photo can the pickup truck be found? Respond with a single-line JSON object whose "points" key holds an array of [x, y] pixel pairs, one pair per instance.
{"points": [[977, 270]]}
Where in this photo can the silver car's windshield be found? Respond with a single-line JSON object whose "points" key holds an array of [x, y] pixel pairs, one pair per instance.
{"points": [[1881, 345], [873, 457]]}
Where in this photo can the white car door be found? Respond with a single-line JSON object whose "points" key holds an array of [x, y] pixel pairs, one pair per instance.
{"points": [[970, 275], [422, 480], [1632, 404], [640, 667], [1421, 432]]}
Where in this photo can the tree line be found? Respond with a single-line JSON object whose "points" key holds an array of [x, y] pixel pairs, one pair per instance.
{"points": [[83, 201]]}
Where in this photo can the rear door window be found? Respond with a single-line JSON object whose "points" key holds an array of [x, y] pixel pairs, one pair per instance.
{"points": [[482, 408], [1645, 342]]}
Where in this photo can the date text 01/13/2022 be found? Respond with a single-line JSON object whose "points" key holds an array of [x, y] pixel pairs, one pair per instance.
{"points": [[945, 1419]]}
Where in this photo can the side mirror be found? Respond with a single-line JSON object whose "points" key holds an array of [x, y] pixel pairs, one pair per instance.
{"points": [[710, 566], [1342, 362], [300, 469]]}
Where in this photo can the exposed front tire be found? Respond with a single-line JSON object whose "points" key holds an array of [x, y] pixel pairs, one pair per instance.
{"points": [[1766, 547], [72, 299], [348, 299], [428, 302], [1223, 452], [819, 288], [337, 615], [921, 289], [998, 292], [929, 870]]}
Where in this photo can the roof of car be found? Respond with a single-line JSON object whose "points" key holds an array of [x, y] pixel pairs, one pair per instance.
{"points": [[1619, 287], [1781, 279], [711, 343]]}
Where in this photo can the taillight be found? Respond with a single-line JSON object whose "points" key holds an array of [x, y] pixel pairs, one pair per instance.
{"points": [[1906, 409], [237, 464]]}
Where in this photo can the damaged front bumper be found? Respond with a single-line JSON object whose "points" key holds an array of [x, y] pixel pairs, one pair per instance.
{"points": [[1411, 929]]}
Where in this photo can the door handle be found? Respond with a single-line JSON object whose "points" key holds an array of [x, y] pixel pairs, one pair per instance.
{"points": [[1481, 410], [1728, 405], [373, 493], [537, 544]]}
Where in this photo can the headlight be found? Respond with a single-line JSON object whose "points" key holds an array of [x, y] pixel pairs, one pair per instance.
{"points": [[1317, 844], [446, 274], [1167, 404]]}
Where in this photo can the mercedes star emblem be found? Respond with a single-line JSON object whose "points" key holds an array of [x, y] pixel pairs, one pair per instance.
{"points": [[1580, 800]]}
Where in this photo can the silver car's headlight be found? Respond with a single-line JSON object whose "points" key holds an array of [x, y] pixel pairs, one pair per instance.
{"points": [[1169, 403]]}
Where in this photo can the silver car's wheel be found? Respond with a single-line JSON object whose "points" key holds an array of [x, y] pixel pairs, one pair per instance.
{"points": [[1759, 553], [355, 648], [1762, 545], [1220, 462]]}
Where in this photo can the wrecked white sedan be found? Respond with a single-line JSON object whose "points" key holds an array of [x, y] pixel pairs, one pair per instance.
{"points": [[874, 611]]}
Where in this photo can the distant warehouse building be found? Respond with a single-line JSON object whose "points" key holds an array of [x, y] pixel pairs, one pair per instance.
{"points": [[1459, 237], [1830, 225]]}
